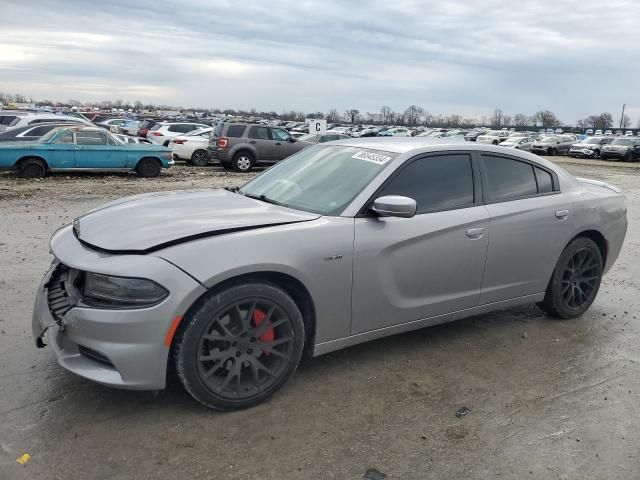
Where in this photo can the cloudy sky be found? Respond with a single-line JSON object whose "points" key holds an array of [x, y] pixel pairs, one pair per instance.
{"points": [[574, 57]]}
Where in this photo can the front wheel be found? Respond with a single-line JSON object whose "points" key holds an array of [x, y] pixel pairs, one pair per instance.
{"points": [[239, 346], [575, 281], [148, 167], [596, 154], [32, 168]]}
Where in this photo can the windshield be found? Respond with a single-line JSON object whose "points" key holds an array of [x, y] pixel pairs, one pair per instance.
{"points": [[320, 179], [621, 141], [592, 141], [549, 140], [46, 138]]}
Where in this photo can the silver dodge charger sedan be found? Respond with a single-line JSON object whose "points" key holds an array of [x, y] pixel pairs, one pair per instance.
{"points": [[340, 244]]}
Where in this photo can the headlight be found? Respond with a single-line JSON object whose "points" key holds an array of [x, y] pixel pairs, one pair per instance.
{"points": [[120, 292]]}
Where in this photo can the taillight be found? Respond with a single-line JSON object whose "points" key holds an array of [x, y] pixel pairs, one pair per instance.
{"points": [[156, 134], [179, 141], [223, 142]]}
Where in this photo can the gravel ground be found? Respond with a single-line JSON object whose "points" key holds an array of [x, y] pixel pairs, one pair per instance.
{"points": [[549, 399]]}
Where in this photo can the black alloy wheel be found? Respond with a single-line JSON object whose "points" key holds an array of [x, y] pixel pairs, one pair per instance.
{"points": [[149, 167], [575, 281], [240, 346], [200, 158]]}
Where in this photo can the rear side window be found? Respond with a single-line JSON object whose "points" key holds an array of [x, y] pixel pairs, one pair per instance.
{"points": [[545, 181], [436, 183], [508, 179], [90, 138], [66, 138], [236, 131], [7, 119], [156, 127], [39, 131], [260, 133]]}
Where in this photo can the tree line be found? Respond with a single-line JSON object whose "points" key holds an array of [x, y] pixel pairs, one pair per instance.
{"points": [[412, 116]]}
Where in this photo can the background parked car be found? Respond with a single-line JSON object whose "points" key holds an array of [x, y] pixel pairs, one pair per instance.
{"points": [[162, 133], [128, 139], [553, 145], [519, 143], [396, 132], [590, 147], [241, 146], [70, 148], [192, 147], [19, 119], [493, 137], [620, 148], [29, 133], [473, 135]]}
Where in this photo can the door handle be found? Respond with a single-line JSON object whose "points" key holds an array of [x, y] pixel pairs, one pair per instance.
{"points": [[252, 141], [475, 233], [562, 214]]}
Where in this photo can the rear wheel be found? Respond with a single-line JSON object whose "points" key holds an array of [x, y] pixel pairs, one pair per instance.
{"points": [[239, 346], [242, 162], [32, 168], [596, 154], [628, 157], [575, 281], [200, 158], [148, 167]]}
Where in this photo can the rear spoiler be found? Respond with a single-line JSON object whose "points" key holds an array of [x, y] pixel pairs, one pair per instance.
{"points": [[589, 181]]}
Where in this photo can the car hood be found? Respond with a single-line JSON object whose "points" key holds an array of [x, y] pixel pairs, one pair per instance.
{"points": [[152, 221]]}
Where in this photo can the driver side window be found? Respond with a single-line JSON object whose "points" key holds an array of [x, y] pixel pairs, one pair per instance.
{"points": [[279, 134]]}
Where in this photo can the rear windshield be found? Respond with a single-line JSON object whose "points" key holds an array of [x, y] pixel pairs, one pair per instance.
{"points": [[156, 126], [7, 119], [622, 141]]}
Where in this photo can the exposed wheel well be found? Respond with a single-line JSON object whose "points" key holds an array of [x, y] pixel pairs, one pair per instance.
{"points": [[246, 152], [292, 286], [20, 161], [599, 240]]}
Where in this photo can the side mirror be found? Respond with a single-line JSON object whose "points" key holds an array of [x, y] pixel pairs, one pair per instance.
{"points": [[394, 206]]}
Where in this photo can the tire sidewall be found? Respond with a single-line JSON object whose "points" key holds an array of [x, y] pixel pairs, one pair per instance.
{"points": [[554, 291], [32, 165], [187, 342], [141, 168], [236, 159], [198, 163]]}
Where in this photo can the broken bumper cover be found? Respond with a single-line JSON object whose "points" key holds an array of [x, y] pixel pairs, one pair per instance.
{"points": [[122, 348]]}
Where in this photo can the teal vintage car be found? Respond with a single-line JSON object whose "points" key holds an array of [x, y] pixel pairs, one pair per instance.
{"points": [[83, 148]]}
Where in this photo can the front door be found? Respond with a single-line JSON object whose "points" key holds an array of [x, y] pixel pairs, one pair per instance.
{"points": [[282, 144], [96, 149], [407, 269]]}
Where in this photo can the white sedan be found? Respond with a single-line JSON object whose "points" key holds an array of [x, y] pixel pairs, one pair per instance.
{"points": [[192, 147]]}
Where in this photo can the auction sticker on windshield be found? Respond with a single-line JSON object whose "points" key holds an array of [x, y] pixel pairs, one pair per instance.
{"points": [[372, 157]]}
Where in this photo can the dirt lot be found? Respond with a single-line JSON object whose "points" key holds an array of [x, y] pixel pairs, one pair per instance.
{"points": [[549, 399]]}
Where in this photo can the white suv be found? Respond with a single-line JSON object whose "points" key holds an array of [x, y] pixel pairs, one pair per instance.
{"points": [[12, 120], [163, 132]]}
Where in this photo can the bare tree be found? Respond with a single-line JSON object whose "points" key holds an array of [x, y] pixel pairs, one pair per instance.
{"points": [[352, 114], [412, 114], [546, 118], [332, 115], [497, 118], [520, 120], [385, 114]]}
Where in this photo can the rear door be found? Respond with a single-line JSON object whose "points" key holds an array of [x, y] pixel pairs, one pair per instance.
{"points": [[408, 269], [260, 138], [530, 225]]}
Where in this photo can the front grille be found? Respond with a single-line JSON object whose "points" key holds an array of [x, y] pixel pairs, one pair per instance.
{"points": [[58, 293], [95, 356]]}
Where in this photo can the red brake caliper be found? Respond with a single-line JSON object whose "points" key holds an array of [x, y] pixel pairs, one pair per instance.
{"points": [[269, 335]]}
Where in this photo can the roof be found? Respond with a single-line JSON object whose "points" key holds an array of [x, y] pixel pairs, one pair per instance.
{"points": [[400, 144]]}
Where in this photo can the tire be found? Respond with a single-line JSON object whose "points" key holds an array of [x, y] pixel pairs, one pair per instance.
{"points": [[495, 142], [628, 157], [242, 161], [567, 295], [225, 357], [596, 154], [149, 167], [166, 144], [32, 168], [200, 158], [604, 157], [552, 151]]}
